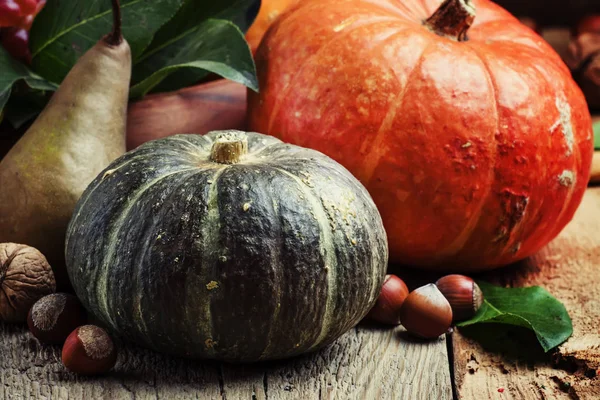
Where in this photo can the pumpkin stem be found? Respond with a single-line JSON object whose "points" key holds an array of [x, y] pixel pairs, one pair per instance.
{"points": [[452, 19], [115, 38], [229, 147]]}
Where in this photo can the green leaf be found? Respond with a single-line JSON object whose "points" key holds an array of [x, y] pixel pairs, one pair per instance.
{"points": [[12, 71], [38, 83], [25, 105], [244, 20], [65, 30], [193, 11], [532, 308], [4, 96], [217, 46], [190, 37], [182, 30], [597, 135]]}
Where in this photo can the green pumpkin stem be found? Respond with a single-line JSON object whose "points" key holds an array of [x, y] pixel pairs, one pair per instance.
{"points": [[452, 19], [229, 147], [115, 38]]}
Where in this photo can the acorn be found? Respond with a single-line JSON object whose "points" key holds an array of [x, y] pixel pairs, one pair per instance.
{"points": [[89, 351], [426, 313], [53, 317], [463, 294], [387, 308]]}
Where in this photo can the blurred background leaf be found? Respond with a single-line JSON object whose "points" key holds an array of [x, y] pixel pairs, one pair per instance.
{"points": [[65, 30], [191, 37], [13, 71], [194, 57]]}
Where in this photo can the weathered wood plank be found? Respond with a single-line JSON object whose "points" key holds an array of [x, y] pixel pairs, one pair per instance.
{"points": [[569, 269], [367, 362]]}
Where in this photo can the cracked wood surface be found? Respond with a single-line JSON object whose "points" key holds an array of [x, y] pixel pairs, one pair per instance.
{"points": [[366, 363], [501, 364]]}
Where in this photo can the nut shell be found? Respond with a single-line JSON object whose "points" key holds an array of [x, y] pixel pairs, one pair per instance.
{"points": [[387, 308], [25, 277], [463, 294], [426, 312], [89, 351], [52, 318]]}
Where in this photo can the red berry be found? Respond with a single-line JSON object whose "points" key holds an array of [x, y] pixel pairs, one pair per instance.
{"points": [[10, 13], [16, 42], [40, 5], [25, 22], [27, 6]]}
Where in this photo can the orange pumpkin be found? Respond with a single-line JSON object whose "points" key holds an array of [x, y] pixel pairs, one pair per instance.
{"points": [[465, 126], [269, 11]]}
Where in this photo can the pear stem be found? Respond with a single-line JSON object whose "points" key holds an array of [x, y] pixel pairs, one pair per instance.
{"points": [[115, 38], [452, 19]]}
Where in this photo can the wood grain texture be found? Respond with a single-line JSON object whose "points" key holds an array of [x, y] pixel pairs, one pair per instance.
{"points": [[366, 363], [490, 361]]}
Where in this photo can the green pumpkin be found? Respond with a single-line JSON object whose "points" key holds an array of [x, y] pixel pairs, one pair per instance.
{"points": [[230, 246]]}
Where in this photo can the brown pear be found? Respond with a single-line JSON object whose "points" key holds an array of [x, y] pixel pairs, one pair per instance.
{"points": [[81, 130]]}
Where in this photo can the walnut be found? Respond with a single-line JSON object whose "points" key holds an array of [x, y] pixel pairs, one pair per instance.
{"points": [[25, 277], [584, 60]]}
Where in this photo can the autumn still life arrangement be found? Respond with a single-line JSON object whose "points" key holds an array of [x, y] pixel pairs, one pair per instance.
{"points": [[439, 135]]}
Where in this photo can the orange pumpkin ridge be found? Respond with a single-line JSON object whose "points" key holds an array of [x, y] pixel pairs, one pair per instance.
{"points": [[471, 135]]}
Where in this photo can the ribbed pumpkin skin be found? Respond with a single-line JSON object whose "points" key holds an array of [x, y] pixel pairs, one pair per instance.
{"points": [[277, 255], [477, 153]]}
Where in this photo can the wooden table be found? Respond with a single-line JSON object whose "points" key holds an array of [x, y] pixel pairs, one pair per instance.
{"points": [[368, 362]]}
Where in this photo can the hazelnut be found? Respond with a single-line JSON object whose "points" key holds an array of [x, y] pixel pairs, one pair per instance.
{"points": [[89, 351], [52, 318], [426, 312], [463, 294], [387, 308], [25, 277]]}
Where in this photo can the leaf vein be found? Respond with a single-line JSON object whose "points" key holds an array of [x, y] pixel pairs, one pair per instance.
{"points": [[77, 25]]}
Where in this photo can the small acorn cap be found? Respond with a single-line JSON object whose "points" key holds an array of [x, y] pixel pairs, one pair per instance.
{"points": [[89, 350], [52, 318], [463, 294], [426, 313]]}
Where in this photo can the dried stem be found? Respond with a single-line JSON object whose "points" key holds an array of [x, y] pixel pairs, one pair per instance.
{"points": [[115, 38], [452, 19], [229, 147]]}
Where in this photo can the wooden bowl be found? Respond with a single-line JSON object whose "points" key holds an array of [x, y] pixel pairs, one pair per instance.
{"points": [[198, 109], [215, 105]]}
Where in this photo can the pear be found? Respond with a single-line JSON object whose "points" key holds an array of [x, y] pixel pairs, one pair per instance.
{"points": [[77, 135]]}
